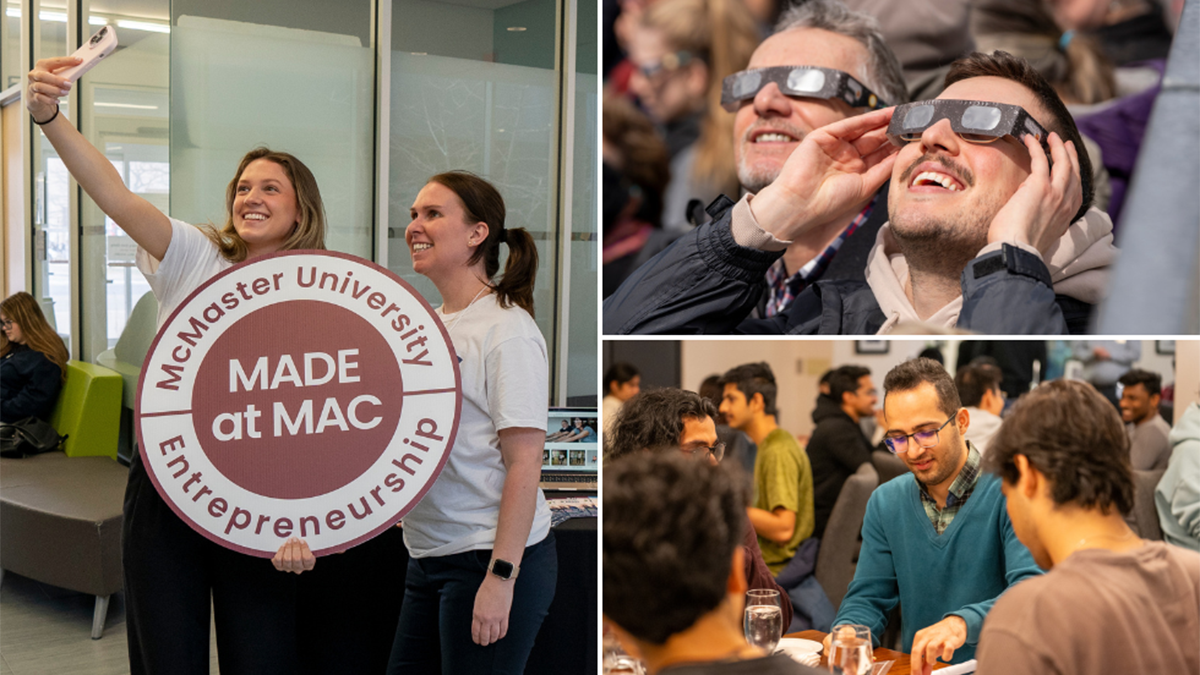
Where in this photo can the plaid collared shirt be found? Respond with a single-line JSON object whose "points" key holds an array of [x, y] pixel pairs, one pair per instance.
{"points": [[960, 491], [781, 289]]}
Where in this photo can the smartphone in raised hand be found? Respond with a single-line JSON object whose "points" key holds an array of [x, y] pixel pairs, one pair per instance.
{"points": [[101, 44]]}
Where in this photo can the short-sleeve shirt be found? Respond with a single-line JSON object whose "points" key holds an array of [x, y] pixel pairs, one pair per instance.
{"points": [[191, 260], [505, 384], [783, 478]]}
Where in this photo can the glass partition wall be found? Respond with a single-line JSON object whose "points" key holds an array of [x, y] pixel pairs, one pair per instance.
{"points": [[374, 96]]}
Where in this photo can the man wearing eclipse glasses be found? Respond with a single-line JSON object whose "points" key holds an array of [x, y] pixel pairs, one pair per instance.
{"points": [[990, 228], [823, 64]]}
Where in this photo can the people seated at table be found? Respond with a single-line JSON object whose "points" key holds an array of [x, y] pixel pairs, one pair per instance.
{"points": [[1141, 392], [1177, 496], [737, 444], [674, 587], [33, 361], [838, 446], [1110, 602], [979, 391], [676, 421], [584, 431], [940, 543], [782, 510]]}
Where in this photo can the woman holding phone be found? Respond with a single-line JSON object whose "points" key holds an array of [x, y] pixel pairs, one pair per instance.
{"points": [[483, 565], [172, 573]]}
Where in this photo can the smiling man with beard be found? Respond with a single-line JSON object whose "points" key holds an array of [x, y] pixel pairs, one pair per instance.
{"points": [[989, 231], [940, 543]]}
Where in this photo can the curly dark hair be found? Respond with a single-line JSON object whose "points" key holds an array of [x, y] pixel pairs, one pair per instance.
{"points": [[653, 420], [751, 379], [670, 529], [1072, 435], [915, 372]]}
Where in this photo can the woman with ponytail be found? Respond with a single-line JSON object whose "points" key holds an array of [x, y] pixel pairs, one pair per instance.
{"points": [[33, 361], [682, 50], [483, 566]]}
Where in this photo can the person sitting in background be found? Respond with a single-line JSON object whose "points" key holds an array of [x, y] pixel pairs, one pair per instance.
{"points": [[584, 432], [837, 446], [1150, 449], [1105, 361], [1178, 493], [673, 584], [920, 536], [980, 393], [673, 420], [562, 433], [636, 172], [622, 381], [1129, 30], [33, 361], [782, 512], [682, 50], [737, 444], [1110, 601]]}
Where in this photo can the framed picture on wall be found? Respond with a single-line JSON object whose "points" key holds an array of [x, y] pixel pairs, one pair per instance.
{"points": [[871, 346], [1164, 346]]}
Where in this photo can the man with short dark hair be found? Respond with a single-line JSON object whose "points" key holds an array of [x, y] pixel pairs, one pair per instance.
{"points": [[1149, 446], [979, 390], [965, 248], [1110, 602], [673, 421], [941, 543], [782, 513], [673, 585], [837, 446]]}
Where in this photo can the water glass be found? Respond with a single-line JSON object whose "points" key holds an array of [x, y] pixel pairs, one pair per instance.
{"points": [[616, 660], [850, 650], [764, 618]]}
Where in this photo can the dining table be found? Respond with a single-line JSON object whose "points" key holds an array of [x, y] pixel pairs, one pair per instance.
{"points": [[902, 665]]}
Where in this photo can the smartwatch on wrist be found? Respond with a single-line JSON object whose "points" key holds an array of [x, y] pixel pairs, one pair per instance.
{"points": [[503, 569]]}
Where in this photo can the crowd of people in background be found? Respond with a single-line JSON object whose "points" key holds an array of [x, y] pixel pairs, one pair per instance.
{"points": [[693, 111], [1032, 491]]}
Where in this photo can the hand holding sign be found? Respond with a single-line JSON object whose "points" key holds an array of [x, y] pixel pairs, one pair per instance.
{"points": [[297, 405]]}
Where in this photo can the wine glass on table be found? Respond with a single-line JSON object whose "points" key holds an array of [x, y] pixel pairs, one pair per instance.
{"points": [[763, 618], [850, 650]]}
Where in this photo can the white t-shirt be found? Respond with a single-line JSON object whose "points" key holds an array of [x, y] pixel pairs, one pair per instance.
{"points": [[505, 383], [191, 260]]}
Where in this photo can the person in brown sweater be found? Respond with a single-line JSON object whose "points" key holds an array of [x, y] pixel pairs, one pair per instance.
{"points": [[1111, 601]]}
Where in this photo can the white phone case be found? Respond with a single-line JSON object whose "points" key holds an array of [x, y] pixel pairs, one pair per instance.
{"points": [[102, 43]]}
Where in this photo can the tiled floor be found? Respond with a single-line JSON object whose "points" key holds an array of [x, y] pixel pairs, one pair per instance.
{"points": [[46, 630]]}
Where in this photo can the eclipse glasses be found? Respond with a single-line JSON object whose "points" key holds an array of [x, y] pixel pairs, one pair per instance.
{"points": [[973, 121], [807, 81]]}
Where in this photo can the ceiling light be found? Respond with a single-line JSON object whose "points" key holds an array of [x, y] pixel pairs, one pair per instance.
{"points": [[60, 17], [97, 20], [14, 12], [143, 25], [516, 29], [125, 105]]}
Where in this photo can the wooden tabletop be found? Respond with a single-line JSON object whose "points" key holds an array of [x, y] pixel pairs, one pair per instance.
{"points": [[902, 665]]}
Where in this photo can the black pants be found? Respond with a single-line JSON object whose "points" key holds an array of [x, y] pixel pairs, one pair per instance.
{"points": [[172, 574], [434, 635]]}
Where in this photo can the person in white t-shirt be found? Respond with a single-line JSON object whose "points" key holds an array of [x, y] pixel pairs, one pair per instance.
{"points": [[173, 575], [483, 565]]}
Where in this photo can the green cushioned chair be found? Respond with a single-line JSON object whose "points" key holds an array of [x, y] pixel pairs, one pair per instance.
{"points": [[88, 412]]}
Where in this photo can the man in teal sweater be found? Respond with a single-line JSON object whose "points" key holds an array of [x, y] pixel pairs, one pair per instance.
{"points": [[939, 542]]}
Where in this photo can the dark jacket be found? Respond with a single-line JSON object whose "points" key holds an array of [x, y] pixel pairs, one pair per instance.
{"points": [[836, 449], [29, 384], [757, 574], [706, 283]]}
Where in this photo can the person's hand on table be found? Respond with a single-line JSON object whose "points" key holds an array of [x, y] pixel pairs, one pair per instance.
{"points": [[940, 639], [294, 556]]}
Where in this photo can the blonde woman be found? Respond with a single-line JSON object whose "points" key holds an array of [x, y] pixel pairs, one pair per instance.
{"points": [[173, 574]]}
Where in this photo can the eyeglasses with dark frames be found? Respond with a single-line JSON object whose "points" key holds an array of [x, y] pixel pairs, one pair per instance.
{"points": [[898, 444], [703, 451]]}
